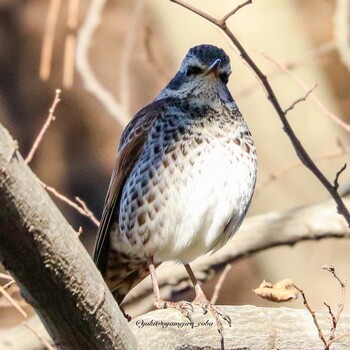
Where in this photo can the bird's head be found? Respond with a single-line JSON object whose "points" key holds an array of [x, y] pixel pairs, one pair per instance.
{"points": [[203, 76]]}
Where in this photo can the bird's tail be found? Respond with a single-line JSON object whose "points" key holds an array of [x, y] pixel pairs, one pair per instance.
{"points": [[123, 273]]}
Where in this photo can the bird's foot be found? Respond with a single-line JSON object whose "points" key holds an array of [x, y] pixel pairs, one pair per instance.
{"points": [[205, 304], [185, 307]]}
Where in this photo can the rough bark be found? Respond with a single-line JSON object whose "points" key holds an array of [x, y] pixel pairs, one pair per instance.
{"points": [[52, 268], [252, 328]]}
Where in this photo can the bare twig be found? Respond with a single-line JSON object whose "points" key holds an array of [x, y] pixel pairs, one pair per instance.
{"points": [[13, 302], [301, 99], [80, 231], [89, 78], [314, 318], [287, 168], [8, 284], [81, 209], [299, 149], [6, 276], [219, 283], [88, 212], [43, 130], [49, 34], [40, 337], [319, 103], [335, 317], [336, 183], [226, 17]]}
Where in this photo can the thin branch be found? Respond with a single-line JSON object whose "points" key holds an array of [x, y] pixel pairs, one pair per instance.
{"points": [[88, 212], [13, 302], [335, 317], [83, 210], [49, 34], [299, 149], [293, 165], [301, 99], [40, 337], [43, 130], [89, 78], [8, 284], [314, 318], [336, 183], [219, 283], [226, 17], [5, 276], [337, 120]]}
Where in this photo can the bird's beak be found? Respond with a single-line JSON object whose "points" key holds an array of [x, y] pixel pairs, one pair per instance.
{"points": [[213, 68]]}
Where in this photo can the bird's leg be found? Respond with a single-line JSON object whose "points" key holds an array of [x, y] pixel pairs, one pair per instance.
{"points": [[202, 301], [183, 306]]}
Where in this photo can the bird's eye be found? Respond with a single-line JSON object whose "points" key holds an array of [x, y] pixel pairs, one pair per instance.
{"points": [[224, 77], [192, 70]]}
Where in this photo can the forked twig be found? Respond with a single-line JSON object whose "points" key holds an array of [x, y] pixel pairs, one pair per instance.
{"points": [[301, 99], [314, 318], [319, 103], [299, 149], [334, 316], [82, 209]]}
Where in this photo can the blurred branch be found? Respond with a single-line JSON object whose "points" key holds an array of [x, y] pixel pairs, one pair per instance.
{"points": [[82, 207], [293, 165], [311, 222], [70, 43], [342, 30], [49, 35], [311, 56], [89, 78], [298, 147], [50, 265], [126, 55]]}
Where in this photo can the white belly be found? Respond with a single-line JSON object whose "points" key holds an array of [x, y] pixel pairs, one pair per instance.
{"points": [[218, 188], [200, 201]]}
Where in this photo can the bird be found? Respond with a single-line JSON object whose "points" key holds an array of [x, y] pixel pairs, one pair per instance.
{"points": [[182, 183]]}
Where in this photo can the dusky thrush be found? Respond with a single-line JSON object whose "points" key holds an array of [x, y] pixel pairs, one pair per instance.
{"points": [[183, 180]]}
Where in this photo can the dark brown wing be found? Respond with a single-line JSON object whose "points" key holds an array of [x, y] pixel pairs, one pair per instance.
{"points": [[131, 145]]}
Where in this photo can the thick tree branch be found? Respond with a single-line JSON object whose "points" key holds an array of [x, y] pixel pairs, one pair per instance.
{"points": [[52, 268], [252, 328]]}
